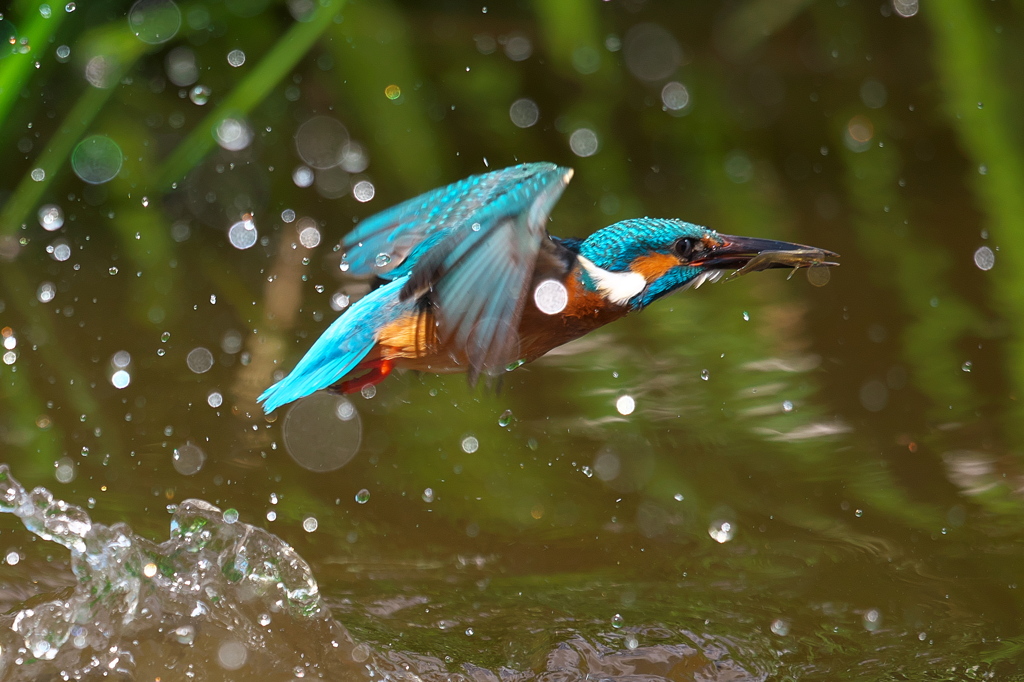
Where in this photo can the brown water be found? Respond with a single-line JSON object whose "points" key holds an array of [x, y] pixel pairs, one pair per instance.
{"points": [[815, 482]]}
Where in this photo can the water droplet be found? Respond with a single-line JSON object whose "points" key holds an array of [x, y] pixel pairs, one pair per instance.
{"points": [[470, 445], [113, 270], [309, 237], [787, 406], [97, 159], [675, 96], [199, 94], [185, 634], [236, 58], [625, 405], [38, 174], [363, 496], [858, 513], [966, 366], [587, 471], [303, 176], [746, 316], [199, 360], [165, 337], [469, 632], [678, 497], [618, 621], [505, 418], [872, 620], [65, 470], [363, 191], [70, 7], [188, 459], [46, 292], [231, 655], [233, 134], [524, 113], [551, 297], [310, 524], [584, 142], [51, 217], [243, 234], [382, 260], [263, 619], [154, 21], [721, 531], [428, 495], [61, 251], [984, 258], [120, 379], [780, 627], [705, 375], [215, 399], [230, 515]]}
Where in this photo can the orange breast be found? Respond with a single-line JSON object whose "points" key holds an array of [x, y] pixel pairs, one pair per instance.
{"points": [[412, 342], [584, 312]]}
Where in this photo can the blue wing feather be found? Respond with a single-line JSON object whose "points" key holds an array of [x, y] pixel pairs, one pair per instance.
{"points": [[410, 229], [339, 349], [477, 275]]}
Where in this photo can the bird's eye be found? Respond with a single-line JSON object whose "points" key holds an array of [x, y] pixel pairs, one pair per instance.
{"points": [[684, 247]]}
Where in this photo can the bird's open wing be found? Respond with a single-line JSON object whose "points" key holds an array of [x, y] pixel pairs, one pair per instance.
{"points": [[469, 249], [382, 243]]}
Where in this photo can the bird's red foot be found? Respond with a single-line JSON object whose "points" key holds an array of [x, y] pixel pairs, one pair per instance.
{"points": [[379, 371]]}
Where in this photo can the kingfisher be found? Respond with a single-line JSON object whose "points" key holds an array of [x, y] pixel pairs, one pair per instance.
{"points": [[471, 281]]}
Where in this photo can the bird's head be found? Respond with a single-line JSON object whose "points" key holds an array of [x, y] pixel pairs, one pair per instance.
{"points": [[635, 262]]}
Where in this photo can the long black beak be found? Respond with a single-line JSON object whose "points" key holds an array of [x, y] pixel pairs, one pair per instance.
{"points": [[749, 254]]}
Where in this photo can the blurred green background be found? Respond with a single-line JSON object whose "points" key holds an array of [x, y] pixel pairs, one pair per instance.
{"points": [[813, 482]]}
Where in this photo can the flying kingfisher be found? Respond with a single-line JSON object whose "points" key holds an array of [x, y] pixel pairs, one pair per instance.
{"points": [[473, 282]]}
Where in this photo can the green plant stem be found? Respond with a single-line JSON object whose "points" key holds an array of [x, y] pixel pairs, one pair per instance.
{"points": [[16, 69], [28, 192], [249, 92]]}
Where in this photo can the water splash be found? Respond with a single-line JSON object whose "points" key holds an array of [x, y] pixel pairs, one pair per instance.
{"points": [[210, 583]]}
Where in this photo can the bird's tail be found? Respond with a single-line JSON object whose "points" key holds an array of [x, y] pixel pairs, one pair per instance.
{"points": [[339, 349]]}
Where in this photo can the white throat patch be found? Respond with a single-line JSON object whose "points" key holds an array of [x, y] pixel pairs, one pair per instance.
{"points": [[617, 287]]}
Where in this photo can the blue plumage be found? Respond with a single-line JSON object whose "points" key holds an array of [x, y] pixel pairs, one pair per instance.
{"points": [[476, 283], [615, 247], [339, 349]]}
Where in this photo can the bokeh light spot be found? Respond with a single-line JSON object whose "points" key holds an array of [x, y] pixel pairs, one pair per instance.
{"points": [[984, 258], [199, 360], [154, 21], [584, 142], [651, 52], [550, 297], [524, 112], [243, 234], [188, 459], [97, 159], [322, 432], [320, 142]]}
